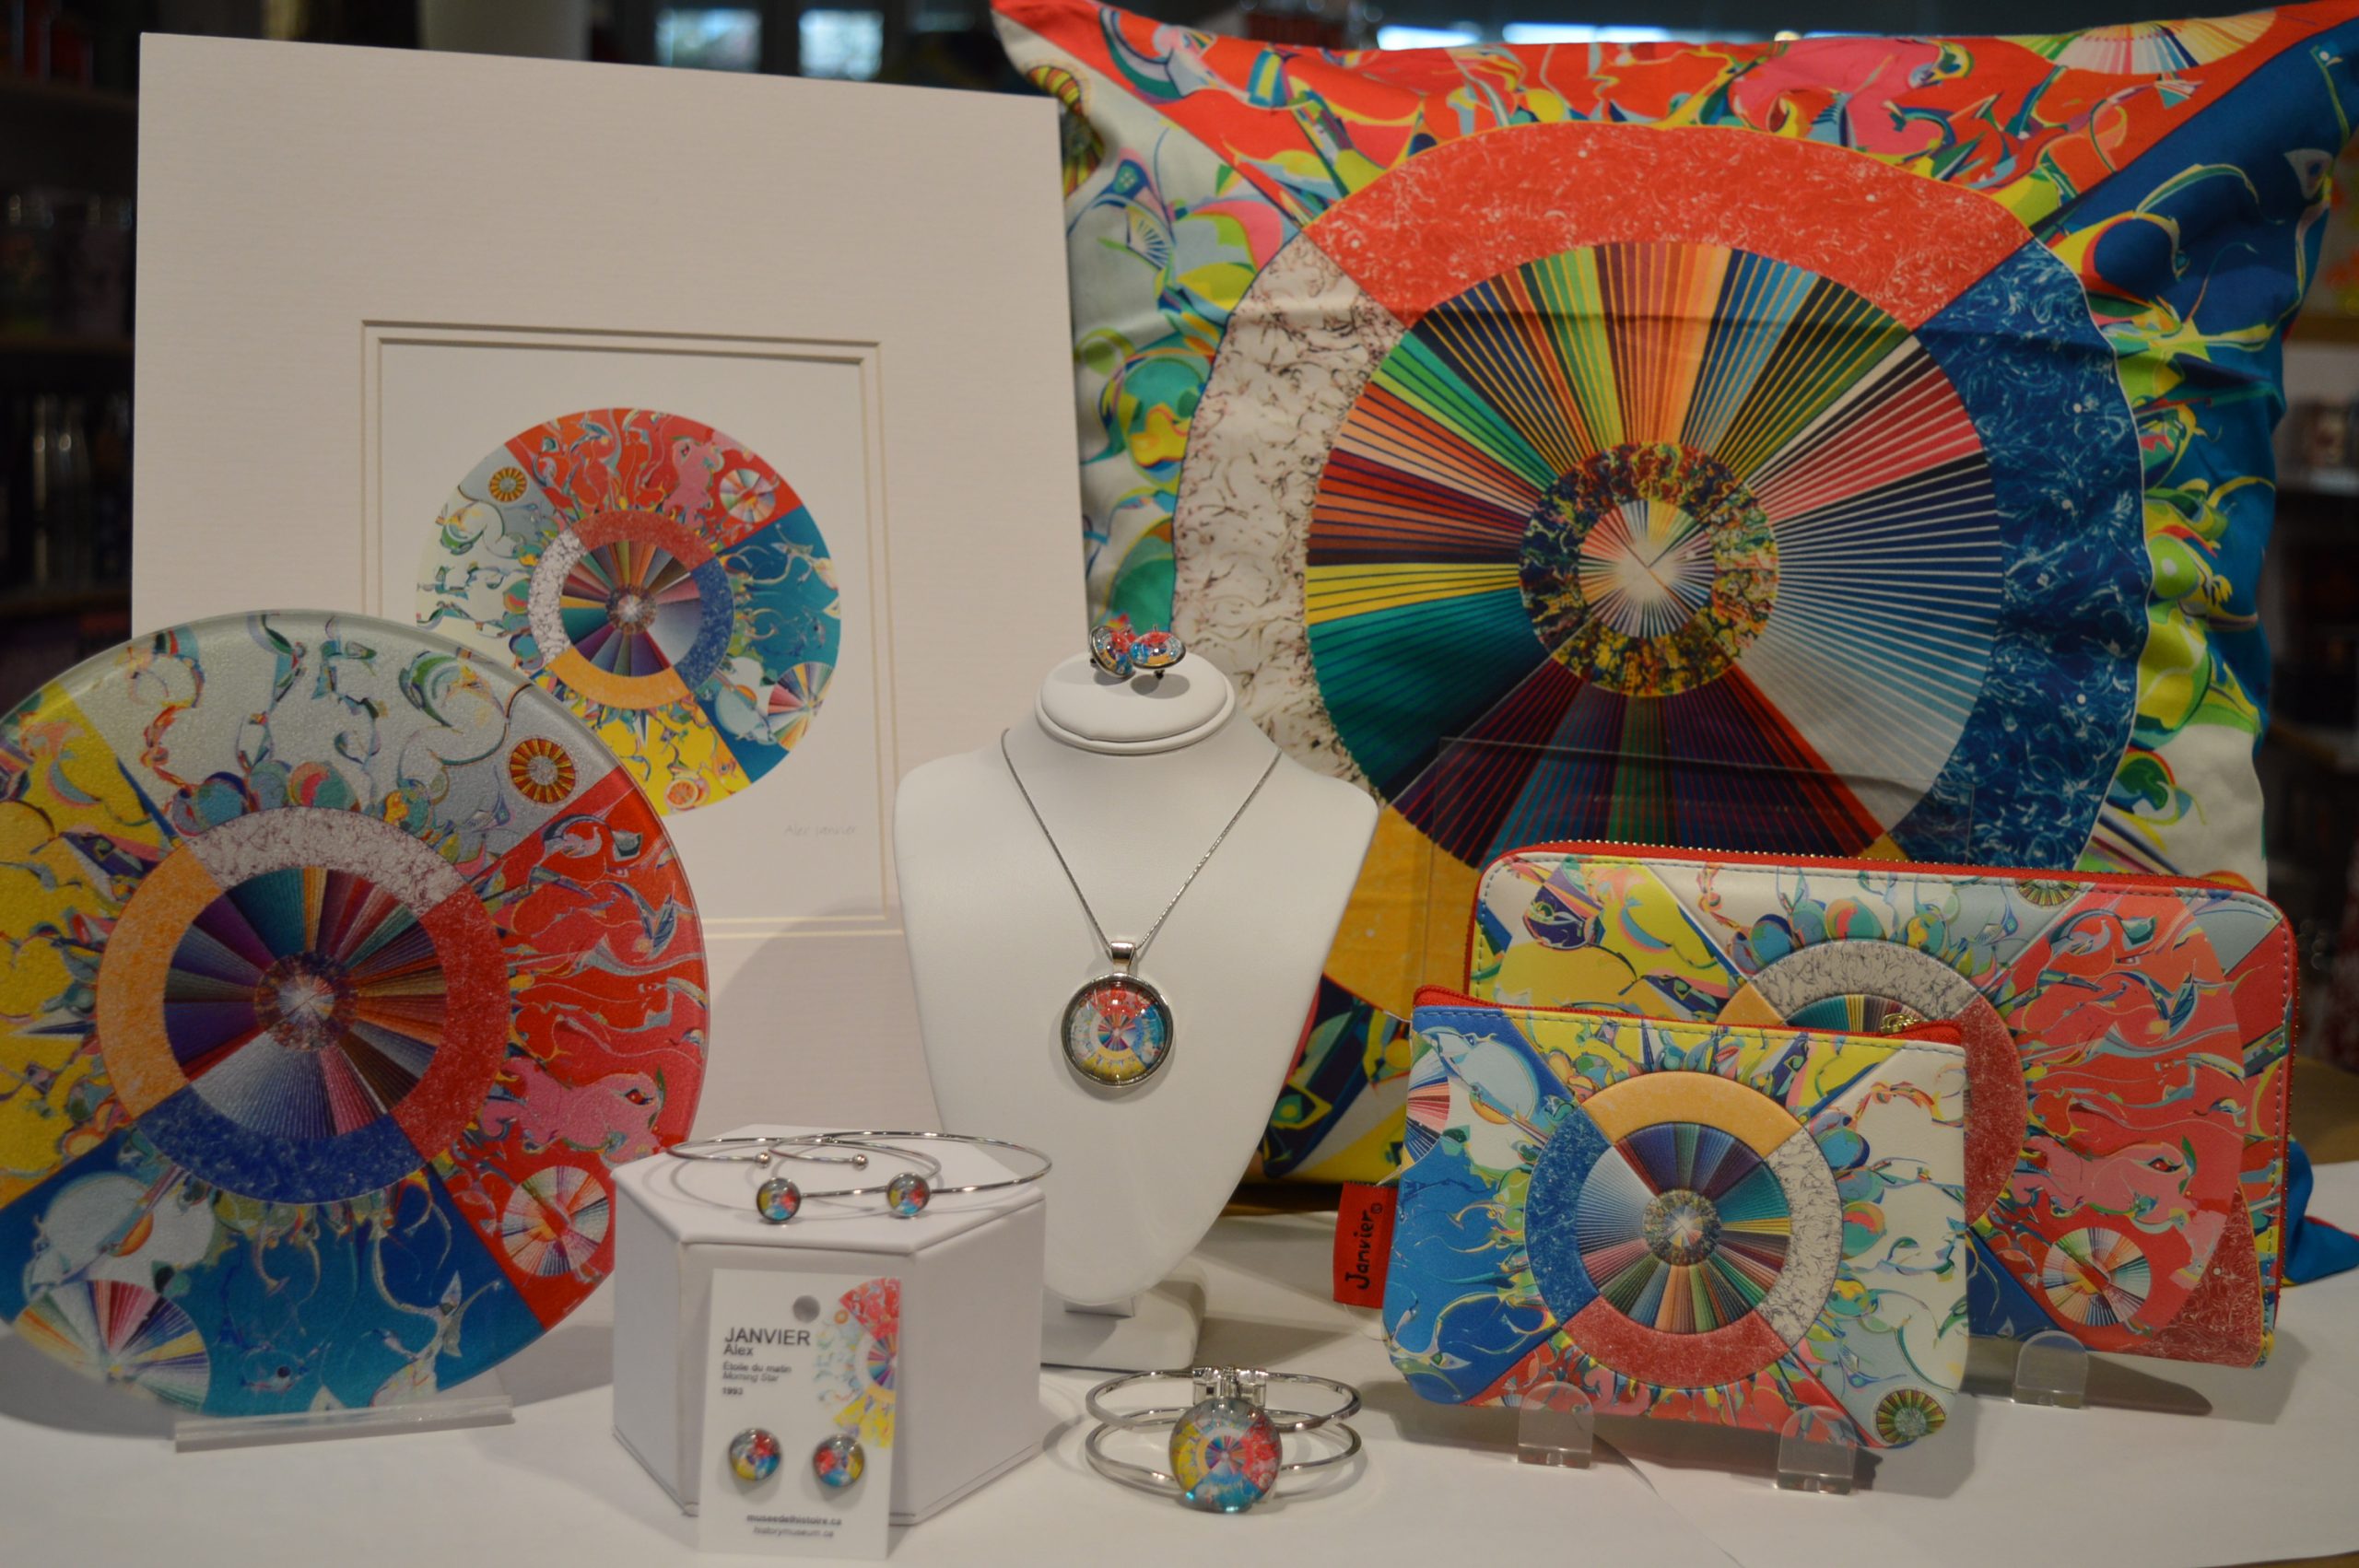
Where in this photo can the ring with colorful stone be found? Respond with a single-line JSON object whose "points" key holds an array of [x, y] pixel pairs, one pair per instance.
{"points": [[1122, 653], [779, 1198], [1226, 1449]]}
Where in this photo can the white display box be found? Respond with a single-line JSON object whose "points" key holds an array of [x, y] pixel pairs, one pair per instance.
{"points": [[966, 1386]]}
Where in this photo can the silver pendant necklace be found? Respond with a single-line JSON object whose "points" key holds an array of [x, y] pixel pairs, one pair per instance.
{"points": [[1117, 1029]]}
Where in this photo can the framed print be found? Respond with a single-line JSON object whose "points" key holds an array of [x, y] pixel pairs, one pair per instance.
{"points": [[731, 412]]}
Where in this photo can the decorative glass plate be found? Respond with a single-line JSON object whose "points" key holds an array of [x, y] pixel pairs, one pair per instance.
{"points": [[338, 965]]}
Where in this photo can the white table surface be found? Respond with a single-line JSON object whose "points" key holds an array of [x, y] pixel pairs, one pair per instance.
{"points": [[2272, 1472]]}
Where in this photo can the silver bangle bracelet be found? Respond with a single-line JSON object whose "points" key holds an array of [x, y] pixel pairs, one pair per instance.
{"points": [[779, 1199], [1227, 1450], [871, 1140], [1216, 1381]]}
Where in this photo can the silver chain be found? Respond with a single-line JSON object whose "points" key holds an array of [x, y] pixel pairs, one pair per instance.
{"points": [[1138, 949]]}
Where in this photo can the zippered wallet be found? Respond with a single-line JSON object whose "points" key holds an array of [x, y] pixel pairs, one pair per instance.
{"points": [[1756, 1228], [2126, 1036]]}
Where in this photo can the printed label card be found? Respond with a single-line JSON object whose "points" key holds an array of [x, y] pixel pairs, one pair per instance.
{"points": [[798, 1414]]}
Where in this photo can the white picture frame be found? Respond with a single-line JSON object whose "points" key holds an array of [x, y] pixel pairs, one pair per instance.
{"points": [[362, 270]]}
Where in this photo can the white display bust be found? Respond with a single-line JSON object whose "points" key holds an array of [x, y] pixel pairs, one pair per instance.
{"points": [[1136, 777]]}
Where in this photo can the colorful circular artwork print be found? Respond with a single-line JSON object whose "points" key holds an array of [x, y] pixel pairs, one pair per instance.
{"points": [[1682, 1225], [1225, 1455], [353, 965], [663, 579], [1662, 517]]}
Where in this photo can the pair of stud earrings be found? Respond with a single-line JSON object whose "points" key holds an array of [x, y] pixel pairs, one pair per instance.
{"points": [[1123, 653], [838, 1461], [779, 1198]]}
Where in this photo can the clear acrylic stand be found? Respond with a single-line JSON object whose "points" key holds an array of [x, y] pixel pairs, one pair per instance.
{"points": [[1818, 1452], [2052, 1368], [481, 1401], [1555, 1426]]}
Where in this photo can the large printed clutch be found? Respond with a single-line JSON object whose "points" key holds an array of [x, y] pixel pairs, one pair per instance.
{"points": [[2127, 1039], [1760, 1228]]}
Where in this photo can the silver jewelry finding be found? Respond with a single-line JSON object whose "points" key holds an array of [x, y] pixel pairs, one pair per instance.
{"points": [[779, 1198], [1209, 1381], [1117, 1030], [1226, 1449], [907, 1196]]}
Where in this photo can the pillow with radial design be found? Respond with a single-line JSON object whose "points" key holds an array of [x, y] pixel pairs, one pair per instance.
{"points": [[1848, 446]]}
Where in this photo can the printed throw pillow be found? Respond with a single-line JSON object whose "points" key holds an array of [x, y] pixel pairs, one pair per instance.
{"points": [[1845, 446]]}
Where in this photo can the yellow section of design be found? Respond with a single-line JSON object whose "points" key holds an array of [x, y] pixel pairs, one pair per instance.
{"points": [[1649, 934], [1334, 592], [1405, 926], [677, 758], [56, 904], [1746, 1115]]}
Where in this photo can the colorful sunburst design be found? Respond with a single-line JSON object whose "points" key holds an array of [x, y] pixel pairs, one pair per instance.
{"points": [[122, 1333], [541, 771], [2153, 48], [317, 1083], [1691, 1221], [1614, 533], [1684, 1229], [665, 581], [2097, 1276], [1904, 1415], [557, 1219]]}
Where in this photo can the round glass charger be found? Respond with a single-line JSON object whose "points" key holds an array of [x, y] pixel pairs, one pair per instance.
{"points": [[354, 966]]}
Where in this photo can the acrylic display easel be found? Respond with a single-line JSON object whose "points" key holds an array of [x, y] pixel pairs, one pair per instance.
{"points": [[1817, 1452], [479, 1401]]}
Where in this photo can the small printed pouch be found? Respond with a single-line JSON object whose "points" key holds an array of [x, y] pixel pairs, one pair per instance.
{"points": [[1761, 1228], [2126, 1038]]}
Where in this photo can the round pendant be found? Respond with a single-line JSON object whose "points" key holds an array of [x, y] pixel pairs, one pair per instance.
{"points": [[1117, 1030], [1224, 1456]]}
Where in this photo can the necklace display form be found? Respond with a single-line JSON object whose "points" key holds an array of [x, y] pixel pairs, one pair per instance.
{"points": [[1117, 1031]]}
